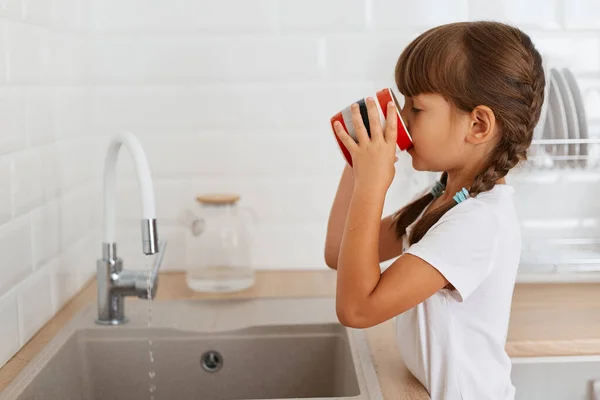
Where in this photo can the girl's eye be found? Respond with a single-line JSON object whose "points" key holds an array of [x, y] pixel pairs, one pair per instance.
{"points": [[415, 110]]}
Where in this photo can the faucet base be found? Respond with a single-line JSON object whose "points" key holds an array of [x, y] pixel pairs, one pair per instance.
{"points": [[112, 322]]}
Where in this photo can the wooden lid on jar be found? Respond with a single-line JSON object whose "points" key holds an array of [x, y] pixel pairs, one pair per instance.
{"points": [[218, 198]]}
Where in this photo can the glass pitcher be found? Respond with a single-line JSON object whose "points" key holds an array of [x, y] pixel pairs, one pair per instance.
{"points": [[220, 247]]}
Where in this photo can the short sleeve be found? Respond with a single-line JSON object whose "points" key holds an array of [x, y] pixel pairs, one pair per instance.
{"points": [[461, 246]]}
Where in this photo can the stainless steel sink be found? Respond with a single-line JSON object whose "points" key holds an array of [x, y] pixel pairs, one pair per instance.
{"points": [[206, 349]]}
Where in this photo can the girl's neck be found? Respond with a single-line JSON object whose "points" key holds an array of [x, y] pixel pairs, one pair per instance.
{"points": [[456, 183]]}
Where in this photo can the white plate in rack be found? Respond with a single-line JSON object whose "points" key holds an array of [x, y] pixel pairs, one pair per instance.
{"points": [[556, 112], [581, 117], [570, 112]]}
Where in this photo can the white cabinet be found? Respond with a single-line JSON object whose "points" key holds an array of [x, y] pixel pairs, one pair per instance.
{"points": [[556, 378]]}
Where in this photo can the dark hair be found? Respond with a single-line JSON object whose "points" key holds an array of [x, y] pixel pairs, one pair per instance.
{"points": [[470, 64]]}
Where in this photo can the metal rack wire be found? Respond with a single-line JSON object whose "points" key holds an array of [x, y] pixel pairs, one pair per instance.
{"points": [[549, 154]]}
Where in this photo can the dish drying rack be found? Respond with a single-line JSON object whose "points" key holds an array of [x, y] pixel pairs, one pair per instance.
{"points": [[562, 154], [562, 255], [560, 260], [572, 259]]}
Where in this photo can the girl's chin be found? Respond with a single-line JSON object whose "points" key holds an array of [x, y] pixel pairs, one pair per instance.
{"points": [[416, 162]]}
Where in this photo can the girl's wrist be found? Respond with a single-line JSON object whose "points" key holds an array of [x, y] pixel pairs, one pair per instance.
{"points": [[369, 191]]}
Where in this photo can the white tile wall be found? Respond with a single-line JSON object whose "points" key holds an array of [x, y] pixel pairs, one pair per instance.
{"points": [[47, 165]]}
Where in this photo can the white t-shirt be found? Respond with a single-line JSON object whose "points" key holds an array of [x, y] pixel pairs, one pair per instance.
{"points": [[454, 342]]}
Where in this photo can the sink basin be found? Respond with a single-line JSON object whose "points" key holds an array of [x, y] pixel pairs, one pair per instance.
{"points": [[205, 349]]}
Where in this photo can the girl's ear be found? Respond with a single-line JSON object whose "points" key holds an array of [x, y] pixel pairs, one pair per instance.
{"points": [[482, 123]]}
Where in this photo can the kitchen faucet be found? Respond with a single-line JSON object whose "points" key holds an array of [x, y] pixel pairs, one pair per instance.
{"points": [[115, 283]]}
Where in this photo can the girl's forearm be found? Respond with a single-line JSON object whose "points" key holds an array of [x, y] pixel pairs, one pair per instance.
{"points": [[358, 265]]}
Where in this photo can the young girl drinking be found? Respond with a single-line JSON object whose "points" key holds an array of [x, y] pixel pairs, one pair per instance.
{"points": [[473, 93]]}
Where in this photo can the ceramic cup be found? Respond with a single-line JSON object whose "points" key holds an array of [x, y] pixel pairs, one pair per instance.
{"points": [[382, 98]]}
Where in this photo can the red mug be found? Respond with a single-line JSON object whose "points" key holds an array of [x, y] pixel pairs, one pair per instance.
{"points": [[382, 98]]}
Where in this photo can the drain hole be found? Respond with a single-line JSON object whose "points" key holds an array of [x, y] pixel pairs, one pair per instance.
{"points": [[212, 361]]}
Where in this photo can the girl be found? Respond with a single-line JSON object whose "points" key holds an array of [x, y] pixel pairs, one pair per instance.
{"points": [[473, 93]]}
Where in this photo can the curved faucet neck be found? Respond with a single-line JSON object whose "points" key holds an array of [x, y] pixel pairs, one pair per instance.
{"points": [[149, 236]]}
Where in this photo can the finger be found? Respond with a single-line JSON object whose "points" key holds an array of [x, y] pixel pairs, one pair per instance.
{"points": [[361, 131], [391, 125], [374, 121], [346, 139]]}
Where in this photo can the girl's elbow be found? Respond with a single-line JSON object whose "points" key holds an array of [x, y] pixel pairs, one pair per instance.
{"points": [[331, 259], [352, 319]]}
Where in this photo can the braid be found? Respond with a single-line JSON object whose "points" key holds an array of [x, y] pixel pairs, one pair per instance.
{"points": [[537, 86], [513, 148]]}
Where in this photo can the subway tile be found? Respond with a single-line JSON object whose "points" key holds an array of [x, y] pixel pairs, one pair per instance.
{"points": [[181, 59], [378, 56], [9, 328], [255, 16], [542, 14], [91, 249], [65, 54], [65, 276], [70, 112], [579, 51], [12, 120], [15, 243], [582, 14], [401, 15], [6, 208], [119, 59], [113, 15], [26, 49], [71, 14], [39, 12], [39, 115], [35, 304], [51, 178], [74, 162], [315, 15], [27, 179], [46, 228], [76, 220], [279, 57], [3, 51], [11, 9]]}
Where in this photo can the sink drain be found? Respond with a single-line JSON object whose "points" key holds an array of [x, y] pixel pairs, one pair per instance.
{"points": [[212, 361]]}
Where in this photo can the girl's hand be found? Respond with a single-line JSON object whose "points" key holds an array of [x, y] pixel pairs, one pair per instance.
{"points": [[372, 158]]}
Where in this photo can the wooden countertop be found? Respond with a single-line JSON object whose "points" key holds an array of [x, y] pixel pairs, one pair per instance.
{"points": [[546, 320]]}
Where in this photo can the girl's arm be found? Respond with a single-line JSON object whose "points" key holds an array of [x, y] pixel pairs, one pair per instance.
{"points": [[364, 296]]}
